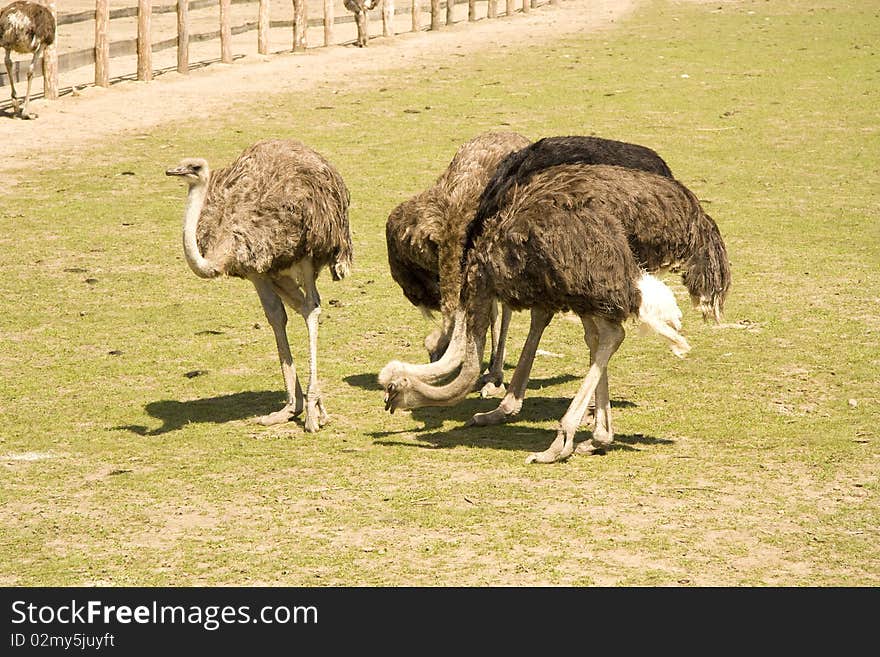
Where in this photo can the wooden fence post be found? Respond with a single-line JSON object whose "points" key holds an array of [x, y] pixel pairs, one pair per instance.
{"points": [[534, 3], [50, 61], [299, 25], [492, 11], [329, 18], [435, 14], [263, 28], [102, 43], [144, 47], [511, 7], [472, 10], [183, 37], [387, 18], [450, 9], [416, 15], [225, 33]]}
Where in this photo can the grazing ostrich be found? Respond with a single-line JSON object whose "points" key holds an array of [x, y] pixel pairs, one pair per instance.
{"points": [[360, 9], [560, 243], [519, 167], [424, 236], [25, 27], [276, 216]]}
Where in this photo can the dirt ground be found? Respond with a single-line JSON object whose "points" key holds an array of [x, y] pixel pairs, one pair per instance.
{"points": [[92, 114]]}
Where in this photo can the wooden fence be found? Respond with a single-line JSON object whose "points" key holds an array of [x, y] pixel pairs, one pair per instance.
{"points": [[143, 46]]}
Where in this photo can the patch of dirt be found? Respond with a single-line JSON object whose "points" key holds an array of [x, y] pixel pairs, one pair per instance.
{"points": [[127, 107]]}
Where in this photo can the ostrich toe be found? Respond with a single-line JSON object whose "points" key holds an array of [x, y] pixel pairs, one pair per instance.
{"points": [[560, 449], [286, 414], [498, 416], [490, 387]]}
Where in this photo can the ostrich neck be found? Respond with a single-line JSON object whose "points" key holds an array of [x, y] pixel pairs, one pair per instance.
{"points": [[194, 203], [475, 338]]}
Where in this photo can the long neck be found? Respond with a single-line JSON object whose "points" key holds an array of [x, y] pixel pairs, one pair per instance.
{"points": [[456, 390], [195, 200], [477, 323]]}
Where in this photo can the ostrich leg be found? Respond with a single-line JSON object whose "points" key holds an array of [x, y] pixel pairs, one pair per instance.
{"points": [[513, 400], [600, 404], [273, 306], [492, 382], [8, 60], [316, 414], [25, 114], [610, 336]]}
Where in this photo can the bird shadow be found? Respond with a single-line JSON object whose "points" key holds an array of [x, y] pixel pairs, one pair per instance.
{"points": [[175, 414], [534, 409], [370, 380], [365, 381], [514, 438]]}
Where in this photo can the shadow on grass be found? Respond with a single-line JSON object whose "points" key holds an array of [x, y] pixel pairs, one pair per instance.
{"points": [[512, 435], [369, 380], [366, 381], [238, 406], [514, 438]]}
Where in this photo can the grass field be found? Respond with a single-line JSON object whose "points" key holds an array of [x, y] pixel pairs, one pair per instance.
{"points": [[752, 462]]}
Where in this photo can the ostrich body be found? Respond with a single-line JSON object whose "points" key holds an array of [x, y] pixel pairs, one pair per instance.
{"points": [[360, 8], [424, 236], [276, 216], [518, 168], [28, 28], [559, 244]]}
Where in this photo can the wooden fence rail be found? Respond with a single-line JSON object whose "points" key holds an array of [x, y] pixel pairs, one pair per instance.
{"points": [[143, 46]]}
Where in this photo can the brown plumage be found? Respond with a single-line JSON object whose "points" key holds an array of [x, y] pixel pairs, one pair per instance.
{"points": [[424, 236], [276, 216], [27, 28], [559, 243]]}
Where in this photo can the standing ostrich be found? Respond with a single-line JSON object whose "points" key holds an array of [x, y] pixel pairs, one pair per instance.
{"points": [[360, 9], [424, 236], [25, 27], [276, 216], [560, 244]]}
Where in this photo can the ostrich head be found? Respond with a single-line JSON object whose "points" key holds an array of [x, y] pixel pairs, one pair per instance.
{"points": [[194, 170], [398, 387]]}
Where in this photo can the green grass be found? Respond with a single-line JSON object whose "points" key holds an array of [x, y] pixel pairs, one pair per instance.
{"points": [[745, 464]]}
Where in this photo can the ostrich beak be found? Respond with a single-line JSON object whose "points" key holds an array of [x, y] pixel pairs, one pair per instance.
{"points": [[390, 396], [178, 171]]}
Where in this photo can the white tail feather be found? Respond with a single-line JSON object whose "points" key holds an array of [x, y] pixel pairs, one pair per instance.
{"points": [[660, 312]]}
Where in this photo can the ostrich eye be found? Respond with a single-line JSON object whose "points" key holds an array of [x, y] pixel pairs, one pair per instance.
{"points": [[197, 167]]}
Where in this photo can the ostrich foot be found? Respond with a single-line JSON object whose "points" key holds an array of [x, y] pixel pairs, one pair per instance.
{"points": [[489, 386], [498, 416], [286, 414], [316, 416], [598, 444], [559, 450], [26, 115]]}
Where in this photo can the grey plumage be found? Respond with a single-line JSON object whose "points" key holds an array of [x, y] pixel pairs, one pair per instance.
{"points": [[27, 28], [277, 216]]}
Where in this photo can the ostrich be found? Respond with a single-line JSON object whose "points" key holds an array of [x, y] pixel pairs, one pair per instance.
{"points": [[518, 168], [561, 243], [276, 216], [360, 9], [424, 236], [25, 27]]}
